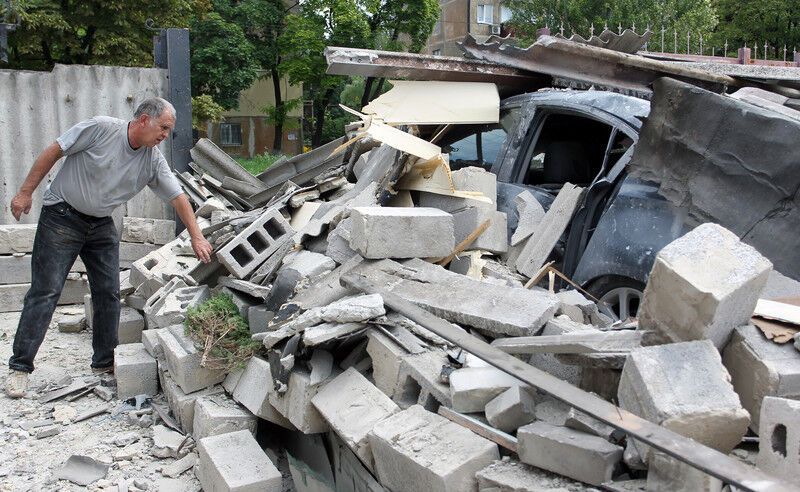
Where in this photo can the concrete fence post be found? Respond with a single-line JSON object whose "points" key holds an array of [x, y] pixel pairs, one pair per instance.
{"points": [[744, 56]]}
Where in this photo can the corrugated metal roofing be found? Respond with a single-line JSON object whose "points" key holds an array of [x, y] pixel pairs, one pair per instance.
{"points": [[36, 107]]}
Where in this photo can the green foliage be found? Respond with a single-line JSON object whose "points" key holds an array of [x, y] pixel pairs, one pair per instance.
{"points": [[223, 60], [754, 23], [205, 110], [108, 32], [221, 333], [261, 21], [259, 163]]}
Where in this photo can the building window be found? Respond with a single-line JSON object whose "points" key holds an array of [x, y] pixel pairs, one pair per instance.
{"points": [[505, 14], [437, 28], [436, 52], [485, 14], [230, 134]]}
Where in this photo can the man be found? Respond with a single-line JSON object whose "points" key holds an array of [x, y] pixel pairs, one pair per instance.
{"points": [[108, 161]]}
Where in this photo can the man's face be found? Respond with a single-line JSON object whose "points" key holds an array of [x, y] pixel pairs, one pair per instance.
{"points": [[155, 130]]}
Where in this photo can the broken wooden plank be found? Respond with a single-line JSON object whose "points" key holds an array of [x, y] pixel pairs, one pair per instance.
{"points": [[686, 450], [572, 343], [495, 435]]}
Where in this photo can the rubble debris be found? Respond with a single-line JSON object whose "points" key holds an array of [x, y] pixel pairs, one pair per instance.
{"points": [[683, 387], [135, 370], [82, 470], [760, 368], [146, 230], [73, 323], [181, 403], [666, 474], [185, 361], [778, 450], [217, 414], [131, 326], [419, 450], [702, 286], [472, 388], [235, 461], [511, 409], [168, 443], [176, 468], [253, 389], [255, 243]]}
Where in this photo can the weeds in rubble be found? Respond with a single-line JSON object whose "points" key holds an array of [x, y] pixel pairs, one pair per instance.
{"points": [[258, 163], [221, 333]]}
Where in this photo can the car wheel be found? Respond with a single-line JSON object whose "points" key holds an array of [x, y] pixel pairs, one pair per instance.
{"points": [[620, 297]]}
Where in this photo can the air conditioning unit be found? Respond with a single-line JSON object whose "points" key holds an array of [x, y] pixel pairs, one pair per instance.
{"points": [[496, 29]]}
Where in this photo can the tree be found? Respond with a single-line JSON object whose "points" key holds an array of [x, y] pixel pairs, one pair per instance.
{"points": [[223, 60], [754, 23], [96, 32], [579, 16]]}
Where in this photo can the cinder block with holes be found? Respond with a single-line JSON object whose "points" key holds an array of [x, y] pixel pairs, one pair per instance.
{"points": [[418, 381], [255, 244], [779, 431], [173, 310]]}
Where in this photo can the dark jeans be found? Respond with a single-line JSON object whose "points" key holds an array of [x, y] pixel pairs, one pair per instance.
{"points": [[62, 235]]}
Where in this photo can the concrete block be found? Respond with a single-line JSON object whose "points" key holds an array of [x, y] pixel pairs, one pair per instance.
{"points": [[246, 288], [231, 380], [494, 239], [131, 252], [72, 323], [779, 446], [145, 230], [352, 406], [511, 409], [164, 263], [264, 274], [420, 450], [685, 388], [702, 286], [580, 421], [386, 357], [495, 308], [507, 475], [568, 452], [157, 300], [13, 295], [338, 245], [759, 368], [295, 404], [472, 388], [184, 361], [419, 382], [253, 389], [234, 462], [299, 270], [135, 370], [666, 474], [131, 326], [209, 207], [465, 179], [551, 411], [389, 232], [17, 238], [255, 243], [218, 414], [243, 302], [172, 309], [578, 308], [548, 362], [182, 403]]}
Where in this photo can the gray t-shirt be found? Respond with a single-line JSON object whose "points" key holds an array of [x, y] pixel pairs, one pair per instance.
{"points": [[101, 171]]}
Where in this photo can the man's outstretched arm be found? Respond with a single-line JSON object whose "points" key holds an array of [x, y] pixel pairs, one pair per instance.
{"points": [[202, 248], [21, 203]]}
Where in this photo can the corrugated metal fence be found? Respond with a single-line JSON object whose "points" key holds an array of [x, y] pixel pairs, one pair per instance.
{"points": [[36, 107]]}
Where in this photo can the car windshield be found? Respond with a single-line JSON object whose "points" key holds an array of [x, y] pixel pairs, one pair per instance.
{"points": [[478, 145]]}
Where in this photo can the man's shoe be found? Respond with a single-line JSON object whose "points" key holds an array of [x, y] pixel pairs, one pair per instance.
{"points": [[16, 384], [103, 370]]}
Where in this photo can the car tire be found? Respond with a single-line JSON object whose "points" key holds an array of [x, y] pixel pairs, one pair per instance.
{"points": [[620, 297]]}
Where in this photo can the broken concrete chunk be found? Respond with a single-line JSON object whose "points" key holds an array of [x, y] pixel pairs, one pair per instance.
{"points": [[389, 232], [167, 443], [419, 381], [494, 308], [182, 403], [255, 243], [325, 332], [386, 356], [582, 422], [338, 245], [176, 468], [568, 452], [253, 389], [131, 326], [702, 286], [299, 270], [779, 432], [511, 409], [352, 406], [420, 450], [666, 474], [530, 213], [494, 239], [209, 207], [471, 179], [759, 368], [507, 475], [72, 323], [17, 238], [81, 470], [472, 388], [551, 411], [685, 388], [296, 403], [146, 230], [235, 461]]}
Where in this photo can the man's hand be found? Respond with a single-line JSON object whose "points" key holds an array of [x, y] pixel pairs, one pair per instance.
{"points": [[21, 204], [202, 249]]}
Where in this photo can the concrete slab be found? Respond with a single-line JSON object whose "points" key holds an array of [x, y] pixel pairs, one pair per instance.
{"points": [[390, 232]]}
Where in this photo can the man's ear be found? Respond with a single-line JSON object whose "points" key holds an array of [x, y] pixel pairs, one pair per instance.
{"points": [[143, 119]]}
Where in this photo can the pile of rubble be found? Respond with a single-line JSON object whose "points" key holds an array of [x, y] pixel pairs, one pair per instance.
{"points": [[405, 408]]}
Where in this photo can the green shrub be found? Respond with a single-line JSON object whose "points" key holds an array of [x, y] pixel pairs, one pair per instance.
{"points": [[221, 333], [258, 163]]}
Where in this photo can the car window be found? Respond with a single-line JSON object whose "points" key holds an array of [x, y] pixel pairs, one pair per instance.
{"points": [[569, 148], [478, 145]]}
